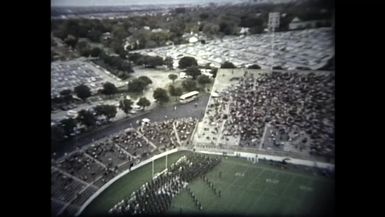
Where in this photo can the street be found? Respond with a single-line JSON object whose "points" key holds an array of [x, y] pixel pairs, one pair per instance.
{"points": [[158, 114]]}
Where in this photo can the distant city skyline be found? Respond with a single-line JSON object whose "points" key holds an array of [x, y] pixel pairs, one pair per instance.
{"points": [[134, 2]]}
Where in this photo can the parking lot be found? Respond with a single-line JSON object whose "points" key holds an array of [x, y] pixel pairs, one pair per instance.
{"points": [[69, 74], [310, 48]]}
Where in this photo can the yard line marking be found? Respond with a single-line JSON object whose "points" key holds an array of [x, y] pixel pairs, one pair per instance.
{"points": [[69, 203], [176, 133], [94, 159], [121, 148], [71, 176], [146, 139]]}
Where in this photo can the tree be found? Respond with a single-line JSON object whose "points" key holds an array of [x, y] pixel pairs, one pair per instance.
{"points": [[160, 95], [168, 62], [136, 85], [134, 57], [84, 48], [143, 102], [203, 79], [146, 80], [210, 29], [82, 91], [109, 111], [254, 66], [228, 65], [193, 71], [189, 85], [214, 72], [175, 91], [125, 105], [57, 133], [71, 41], [87, 118], [95, 52], [153, 62], [187, 62], [277, 67], [109, 88], [66, 95], [172, 77], [68, 125], [204, 16], [227, 28], [94, 35]]}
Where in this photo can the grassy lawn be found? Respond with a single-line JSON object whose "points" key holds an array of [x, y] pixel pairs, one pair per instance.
{"points": [[123, 187], [258, 190], [247, 188]]}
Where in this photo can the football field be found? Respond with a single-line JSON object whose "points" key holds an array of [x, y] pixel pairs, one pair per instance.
{"points": [[256, 189], [246, 188]]}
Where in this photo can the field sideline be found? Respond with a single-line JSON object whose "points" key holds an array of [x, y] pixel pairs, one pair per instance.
{"points": [[247, 188]]}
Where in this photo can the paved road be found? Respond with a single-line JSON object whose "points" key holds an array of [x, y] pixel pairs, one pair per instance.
{"points": [[158, 114]]}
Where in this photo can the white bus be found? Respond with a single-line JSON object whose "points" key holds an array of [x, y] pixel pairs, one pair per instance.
{"points": [[188, 97]]}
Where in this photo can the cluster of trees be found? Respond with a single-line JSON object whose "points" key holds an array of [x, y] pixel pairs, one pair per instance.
{"points": [[228, 65], [81, 28], [66, 96], [193, 71], [214, 21], [139, 84], [89, 118], [160, 95], [150, 61], [109, 89], [175, 91], [186, 62], [254, 66], [116, 65]]}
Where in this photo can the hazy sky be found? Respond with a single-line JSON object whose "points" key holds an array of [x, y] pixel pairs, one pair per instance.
{"points": [[130, 2]]}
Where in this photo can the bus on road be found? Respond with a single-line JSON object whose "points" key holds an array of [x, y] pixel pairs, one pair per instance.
{"points": [[188, 97]]}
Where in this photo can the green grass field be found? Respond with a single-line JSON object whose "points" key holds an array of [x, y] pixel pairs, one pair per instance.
{"points": [[292, 195], [262, 190]]}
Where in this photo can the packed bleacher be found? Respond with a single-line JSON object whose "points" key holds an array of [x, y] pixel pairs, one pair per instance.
{"points": [[132, 143], [286, 107], [185, 128], [78, 175], [81, 166], [63, 187], [161, 133]]}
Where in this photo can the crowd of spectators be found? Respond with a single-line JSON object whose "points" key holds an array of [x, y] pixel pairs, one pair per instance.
{"points": [[104, 159], [81, 166], [280, 111], [163, 135]]}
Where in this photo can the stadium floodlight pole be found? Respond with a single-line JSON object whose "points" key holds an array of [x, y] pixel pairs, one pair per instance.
{"points": [[272, 24], [272, 50]]}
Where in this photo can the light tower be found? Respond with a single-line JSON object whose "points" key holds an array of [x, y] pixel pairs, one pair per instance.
{"points": [[272, 24]]}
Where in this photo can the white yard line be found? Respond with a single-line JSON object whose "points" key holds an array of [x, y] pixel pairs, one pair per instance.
{"points": [[74, 198], [126, 152], [147, 140], [176, 133], [94, 159], [71, 176]]}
